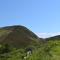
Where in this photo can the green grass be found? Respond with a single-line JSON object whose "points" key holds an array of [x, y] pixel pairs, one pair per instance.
{"points": [[47, 51]]}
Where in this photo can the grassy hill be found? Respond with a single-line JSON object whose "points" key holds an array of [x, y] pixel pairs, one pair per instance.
{"points": [[49, 51], [18, 36], [54, 38], [14, 40]]}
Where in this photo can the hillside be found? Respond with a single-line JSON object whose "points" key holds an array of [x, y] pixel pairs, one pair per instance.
{"points": [[53, 38], [49, 51], [16, 40], [18, 36]]}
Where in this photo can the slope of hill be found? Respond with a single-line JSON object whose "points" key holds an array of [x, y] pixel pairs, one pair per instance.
{"points": [[18, 36], [53, 38], [49, 51]]}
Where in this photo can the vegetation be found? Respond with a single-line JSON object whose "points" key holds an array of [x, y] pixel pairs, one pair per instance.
{"points": [[19, 43]]}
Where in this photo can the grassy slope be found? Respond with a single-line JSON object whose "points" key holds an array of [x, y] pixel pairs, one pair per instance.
{"points": [[21, 37], [18, 36], [49, 51]]}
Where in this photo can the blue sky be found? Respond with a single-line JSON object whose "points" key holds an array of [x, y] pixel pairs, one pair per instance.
{"points": [[40, 16]]}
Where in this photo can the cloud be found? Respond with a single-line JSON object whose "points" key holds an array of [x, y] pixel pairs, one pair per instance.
{"points": [[46, 35]]}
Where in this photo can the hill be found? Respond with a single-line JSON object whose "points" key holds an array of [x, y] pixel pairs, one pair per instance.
{"points": [[53, 38], [18, 36]]}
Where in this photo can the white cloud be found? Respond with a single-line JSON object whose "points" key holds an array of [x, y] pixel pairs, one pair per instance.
{"points": [[46, 35]]}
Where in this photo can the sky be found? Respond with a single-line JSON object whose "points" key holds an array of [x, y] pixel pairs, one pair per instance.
{"points": [[40, 16]]}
